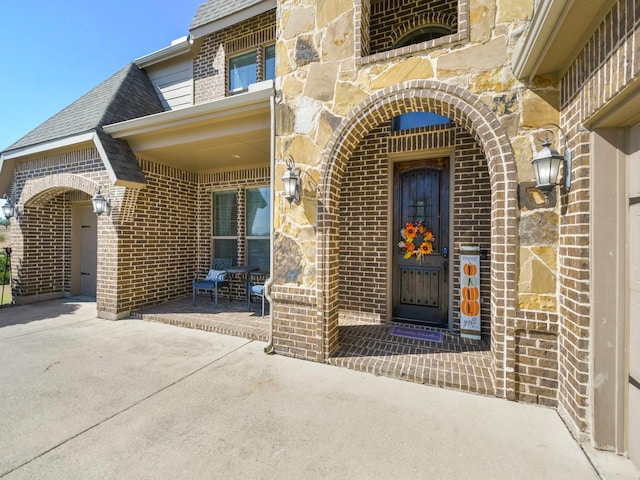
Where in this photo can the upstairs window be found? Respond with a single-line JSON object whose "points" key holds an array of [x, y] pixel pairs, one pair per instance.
{"points": [[423, 34], [250, 68], [270, 62], [405, 26], [242, 72]]}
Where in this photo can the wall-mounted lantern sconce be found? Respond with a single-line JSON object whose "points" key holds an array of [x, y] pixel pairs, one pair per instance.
{"points": [[546, 163], [9, 209], [100, 204], [291, 181]]}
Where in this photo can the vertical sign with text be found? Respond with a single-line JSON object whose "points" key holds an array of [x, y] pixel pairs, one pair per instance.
{"points": [[470, 296]]}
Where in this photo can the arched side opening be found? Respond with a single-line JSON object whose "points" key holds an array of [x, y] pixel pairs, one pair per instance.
{"points": [[55, 248], [468, 112]]}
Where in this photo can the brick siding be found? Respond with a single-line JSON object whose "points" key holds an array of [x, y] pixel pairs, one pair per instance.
{"points": [[41, 264], [601, 70], [210, 76], [363, 264]]}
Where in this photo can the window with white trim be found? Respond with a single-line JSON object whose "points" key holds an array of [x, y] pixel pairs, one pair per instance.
{"points": [[249, 68]]}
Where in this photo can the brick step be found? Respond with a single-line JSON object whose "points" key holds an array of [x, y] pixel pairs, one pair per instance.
{"points": [[452, 342], [456, 363]]}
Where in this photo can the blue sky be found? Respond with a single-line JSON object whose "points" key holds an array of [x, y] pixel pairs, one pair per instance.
{"points": [[53, 52]]}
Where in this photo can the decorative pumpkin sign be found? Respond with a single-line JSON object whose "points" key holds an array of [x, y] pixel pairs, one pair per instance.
{"points": [[470, 308], [470, 293], [469, 269]]}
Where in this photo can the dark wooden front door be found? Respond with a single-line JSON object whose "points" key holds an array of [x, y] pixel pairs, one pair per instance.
{"points": [[421, 285]]}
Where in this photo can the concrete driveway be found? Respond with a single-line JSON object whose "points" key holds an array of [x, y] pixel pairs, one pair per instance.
{"points": [[84, 398]]}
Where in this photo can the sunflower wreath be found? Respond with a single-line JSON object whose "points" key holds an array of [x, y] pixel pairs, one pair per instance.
{"points": [[417, 240]]}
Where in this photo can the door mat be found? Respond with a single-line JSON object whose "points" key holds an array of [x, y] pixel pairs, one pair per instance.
{"points": [[406, 332]]}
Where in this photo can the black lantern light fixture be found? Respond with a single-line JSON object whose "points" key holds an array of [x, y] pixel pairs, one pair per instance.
{"points": [[546, 163], [100, 204], [291, 181], [9, 209]]}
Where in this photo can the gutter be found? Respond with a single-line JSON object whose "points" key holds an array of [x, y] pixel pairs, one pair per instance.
{"points": [[269, 282], [178, 47], [184, 117]]}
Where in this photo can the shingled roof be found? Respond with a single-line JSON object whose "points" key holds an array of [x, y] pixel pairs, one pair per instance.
{"points": [[125, 95], [213, 10]]}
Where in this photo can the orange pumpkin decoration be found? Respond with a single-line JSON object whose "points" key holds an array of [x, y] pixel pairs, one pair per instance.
{"points": [[470, 269], [470, 308], [470, 293]]}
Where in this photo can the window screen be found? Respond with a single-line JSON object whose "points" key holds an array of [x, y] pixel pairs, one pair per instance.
{"points": [[225, 225], [258, 222]]}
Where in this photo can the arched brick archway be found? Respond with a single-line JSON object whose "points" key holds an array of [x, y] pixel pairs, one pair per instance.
{"points": [[41, 190], [468, 111], [39, 198]]}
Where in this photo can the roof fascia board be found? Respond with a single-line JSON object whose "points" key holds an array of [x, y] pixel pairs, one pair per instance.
{"points": [[233, 19], [48, 146], [547, 19], [6, 173], [203, 111], [177, 49]]}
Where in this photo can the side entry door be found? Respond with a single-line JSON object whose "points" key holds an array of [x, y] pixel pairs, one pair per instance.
{"points": [[89, 253]]}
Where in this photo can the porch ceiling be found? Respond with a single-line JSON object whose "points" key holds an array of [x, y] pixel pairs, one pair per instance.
{"points": [[224, 134]]}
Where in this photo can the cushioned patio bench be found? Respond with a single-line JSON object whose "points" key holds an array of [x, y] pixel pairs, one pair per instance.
{"points": [[216, 278]]}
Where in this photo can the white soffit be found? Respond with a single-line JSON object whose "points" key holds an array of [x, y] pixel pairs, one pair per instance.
{"points": [[558, 31], [226, 134]]}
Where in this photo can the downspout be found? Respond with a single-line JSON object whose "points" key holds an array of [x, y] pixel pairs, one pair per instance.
{"points": [[272, 172]]}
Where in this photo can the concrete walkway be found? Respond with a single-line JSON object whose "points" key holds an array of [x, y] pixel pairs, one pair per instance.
{"points": [[84, 398]]}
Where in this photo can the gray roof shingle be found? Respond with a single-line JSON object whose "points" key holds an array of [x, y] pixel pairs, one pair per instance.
{"points": [[125, 95], [213, 10]]}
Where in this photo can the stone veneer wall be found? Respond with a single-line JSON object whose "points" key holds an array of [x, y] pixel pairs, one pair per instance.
{"points": [[334, 93], [600, 71], [210, 76]]}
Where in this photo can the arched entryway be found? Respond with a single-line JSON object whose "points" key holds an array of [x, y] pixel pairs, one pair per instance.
{"points": [[57, 239], [471, 114]]}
